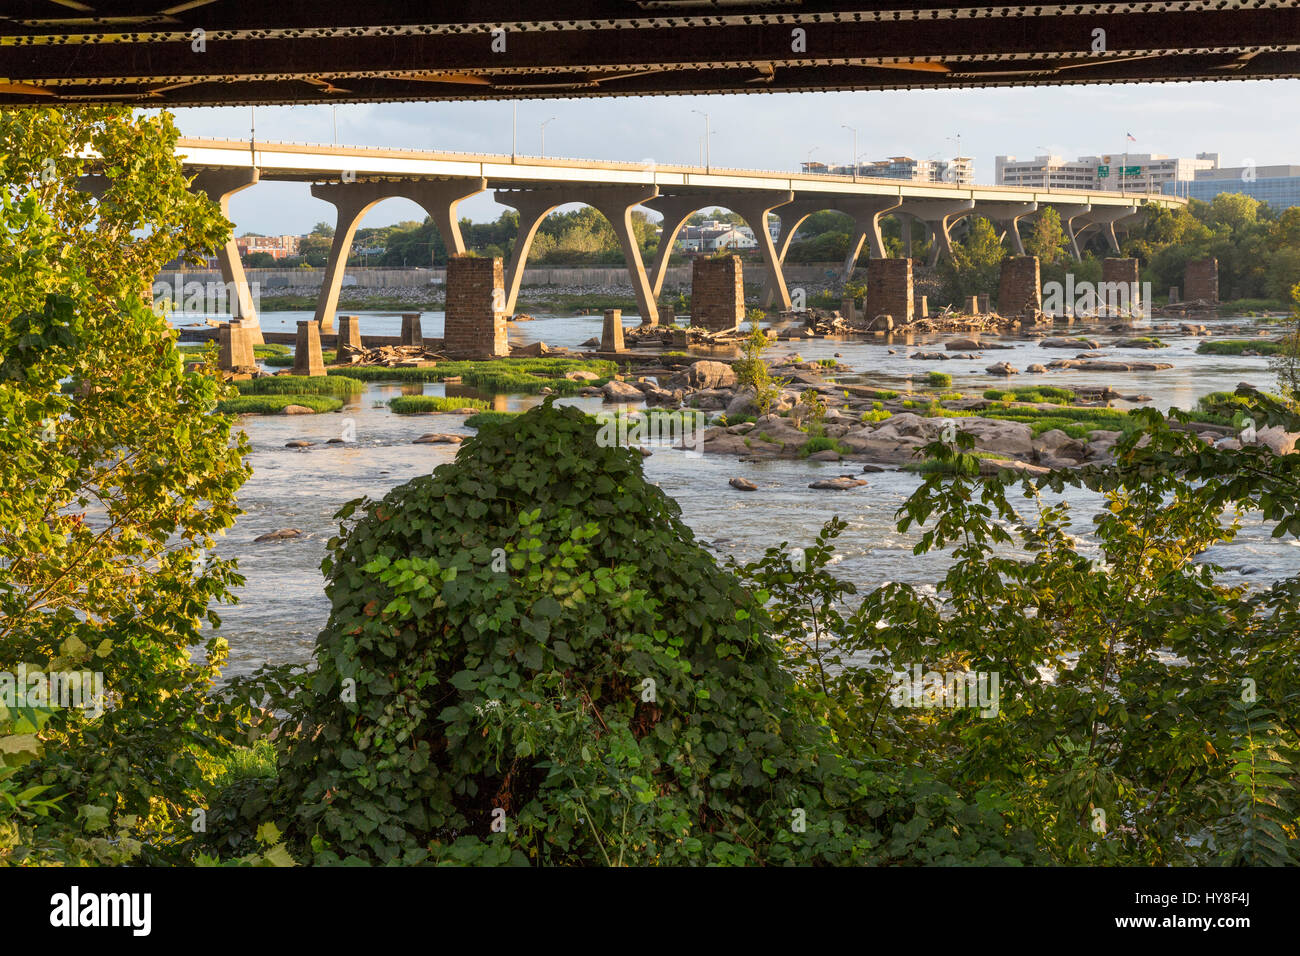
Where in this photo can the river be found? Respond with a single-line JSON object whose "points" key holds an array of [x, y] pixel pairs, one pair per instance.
{"points": [[282, 604]]}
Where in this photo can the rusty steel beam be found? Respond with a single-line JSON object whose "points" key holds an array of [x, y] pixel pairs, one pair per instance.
{"points": [[326, 53]]}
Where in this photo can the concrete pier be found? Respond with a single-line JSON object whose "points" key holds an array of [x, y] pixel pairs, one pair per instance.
{"points": [[307, 359], [611, 334], [411, 333], [349, 336]]}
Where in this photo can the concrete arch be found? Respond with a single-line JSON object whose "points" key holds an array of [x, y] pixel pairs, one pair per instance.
{"points": [[352, 200], [865, 211], [615, 203]]}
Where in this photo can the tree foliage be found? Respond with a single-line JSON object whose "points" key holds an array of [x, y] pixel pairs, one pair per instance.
{"points": [[552, 651], [114, 476]]}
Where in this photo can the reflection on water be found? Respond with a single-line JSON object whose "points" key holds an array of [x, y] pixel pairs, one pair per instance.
{"points": [[282, 605]]}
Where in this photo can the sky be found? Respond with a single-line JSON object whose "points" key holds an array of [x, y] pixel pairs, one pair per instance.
{"points": [[1242, 121]]}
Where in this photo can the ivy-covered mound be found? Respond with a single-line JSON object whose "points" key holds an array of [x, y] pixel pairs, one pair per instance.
{"points": [[530, 659]]}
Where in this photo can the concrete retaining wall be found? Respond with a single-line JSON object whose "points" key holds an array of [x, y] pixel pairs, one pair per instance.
{"points": [[678, 277]]}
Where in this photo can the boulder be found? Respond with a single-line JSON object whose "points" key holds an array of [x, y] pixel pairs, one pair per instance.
{"points": [[742, 403], [1015, 439], [743, 484], [829, 454], [992, 466], [1057, 444], [281, 535], [297, 410], [705, 374], [961, 345], [842, 483], [581, 375], [1067, 343], [1035, 369], [438, 438], [617, 391], [928, 357], [1278, 439], [1002, 368], [663, 397], [297, 444], [711, 399]]}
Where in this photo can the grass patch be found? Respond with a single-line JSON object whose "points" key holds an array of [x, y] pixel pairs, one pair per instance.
{"points": [[876, 415], [424, 404], [273, 404], [962, 464], [1047, 394], [1237, 346], [489, 418], [938, 379], [280, 360], [256, 762], [822, 443], [301, 385], [259, 351], [527, 376]]}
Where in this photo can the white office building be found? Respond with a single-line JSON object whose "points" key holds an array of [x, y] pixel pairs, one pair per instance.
{"points": [[1115, 172]]}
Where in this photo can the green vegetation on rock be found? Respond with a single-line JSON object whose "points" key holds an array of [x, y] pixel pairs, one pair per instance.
{"points": [[424, 404]]}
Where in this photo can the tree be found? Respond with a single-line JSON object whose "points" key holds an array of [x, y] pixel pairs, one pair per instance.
{"points": [[1144, 710], [1047, 240], [976, 262], [550, 669], [322, 229], [115, 475]]}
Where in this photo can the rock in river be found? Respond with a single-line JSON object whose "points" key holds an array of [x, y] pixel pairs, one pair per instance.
{"points": [[743, 484], [438, 438], [280, 535], [842, 483]]}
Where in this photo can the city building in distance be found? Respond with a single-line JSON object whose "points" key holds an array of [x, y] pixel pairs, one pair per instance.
{"points": [[959, 169], [1279, 186], [277, 247], [1115, 172]]}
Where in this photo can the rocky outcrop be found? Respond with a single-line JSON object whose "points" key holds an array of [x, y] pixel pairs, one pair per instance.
{"points": [[704, 375], [842, 483], [617, 391]]}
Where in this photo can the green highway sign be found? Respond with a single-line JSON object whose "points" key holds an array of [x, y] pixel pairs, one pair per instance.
{"points": [[1103, 172]]}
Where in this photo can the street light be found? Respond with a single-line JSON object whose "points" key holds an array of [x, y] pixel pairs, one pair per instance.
{"points": [[544, 136], [708, 162], [854, 154], [336, 123]]}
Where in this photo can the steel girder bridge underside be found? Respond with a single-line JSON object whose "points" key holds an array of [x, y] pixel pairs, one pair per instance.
{"points": [[169, 53]]}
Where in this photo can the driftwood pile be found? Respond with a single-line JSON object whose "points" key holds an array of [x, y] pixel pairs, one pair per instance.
{"points": [[391, 356]]}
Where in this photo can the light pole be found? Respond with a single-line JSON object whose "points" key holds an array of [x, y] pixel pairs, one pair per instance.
{"points": [[854, 154], [708, 162], [544, 136], [514, 130], [335, 110], [808, 162]]}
